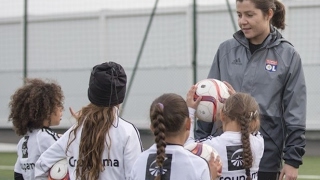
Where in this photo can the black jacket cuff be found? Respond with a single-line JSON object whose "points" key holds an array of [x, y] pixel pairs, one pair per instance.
{"points": [[294, 164]]}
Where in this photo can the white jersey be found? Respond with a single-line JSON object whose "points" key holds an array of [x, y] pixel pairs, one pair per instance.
{"points": [[178, 164], [29, 149], [229, 147], [125, 148]]}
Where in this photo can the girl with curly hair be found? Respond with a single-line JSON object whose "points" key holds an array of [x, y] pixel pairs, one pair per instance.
{"points": [[34, 107]]}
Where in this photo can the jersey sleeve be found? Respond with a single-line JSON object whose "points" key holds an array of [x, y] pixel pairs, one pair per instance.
{"points": [[17, 167], [132, 150], [206, 175], [46, 137], [52, 155], [191, 134], [132, 175], [202, 170], [258, 145]]}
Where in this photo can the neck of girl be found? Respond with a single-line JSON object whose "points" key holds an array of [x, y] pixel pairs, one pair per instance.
{"points": [[231, 126]]}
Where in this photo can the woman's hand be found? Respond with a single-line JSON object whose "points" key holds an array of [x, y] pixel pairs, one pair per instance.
{"points": [[191, 101], [288, 173]]}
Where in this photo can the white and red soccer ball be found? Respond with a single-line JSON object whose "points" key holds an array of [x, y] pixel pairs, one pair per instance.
{"points": [[202, 150], [214, 93], [59, 171]]}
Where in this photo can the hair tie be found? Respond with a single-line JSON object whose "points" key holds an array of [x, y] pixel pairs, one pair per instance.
{"points": [[253, 114], [161, 105], [248, 172]]}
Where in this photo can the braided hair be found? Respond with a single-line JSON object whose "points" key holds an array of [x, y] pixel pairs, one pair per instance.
{"points": [[168, 114], [243, 108]]}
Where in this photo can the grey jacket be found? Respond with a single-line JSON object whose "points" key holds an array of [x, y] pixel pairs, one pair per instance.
{"points": [[273, 75]]}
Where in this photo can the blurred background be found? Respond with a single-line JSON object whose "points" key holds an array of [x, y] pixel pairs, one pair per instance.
{"points": [[164, 46]]}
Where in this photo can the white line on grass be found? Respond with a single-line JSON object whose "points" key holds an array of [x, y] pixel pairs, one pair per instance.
{"points": [[309, 177], [6, 167]]}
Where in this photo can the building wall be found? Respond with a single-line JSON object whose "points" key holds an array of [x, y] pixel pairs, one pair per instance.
{"points": [[66, 47]]}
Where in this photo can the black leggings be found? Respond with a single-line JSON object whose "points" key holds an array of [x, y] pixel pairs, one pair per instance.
{"points": [[268, 175]]}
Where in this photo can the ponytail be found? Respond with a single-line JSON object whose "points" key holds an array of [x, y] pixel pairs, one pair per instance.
{"points": [[278, 19]]}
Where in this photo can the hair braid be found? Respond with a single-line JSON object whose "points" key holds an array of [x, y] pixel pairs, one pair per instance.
{"points": [[245, 139], [243, 108], [159, 133], [168, 115]]}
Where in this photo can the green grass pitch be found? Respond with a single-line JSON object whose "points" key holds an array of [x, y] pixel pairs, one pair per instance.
{"points": [[308, 171]]}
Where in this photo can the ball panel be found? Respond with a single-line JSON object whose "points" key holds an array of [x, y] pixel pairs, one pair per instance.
{"points": [[213, 93], [205, 110], [204, 87], [202, 150], [197, 150], [59, 171]]}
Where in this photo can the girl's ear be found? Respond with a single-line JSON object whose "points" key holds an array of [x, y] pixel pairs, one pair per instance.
{"points": [[188, 124], [270, 14], [221, 115], [151, 128]]}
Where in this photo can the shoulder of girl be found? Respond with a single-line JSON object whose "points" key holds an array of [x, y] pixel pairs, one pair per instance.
{"points": [[49, 132]]}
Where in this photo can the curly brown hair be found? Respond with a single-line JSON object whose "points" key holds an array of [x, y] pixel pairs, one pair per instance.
{"points": [[33, 103], [96, 122]]}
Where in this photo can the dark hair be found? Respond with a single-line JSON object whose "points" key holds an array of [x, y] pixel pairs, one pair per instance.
{"points": [[243, 108], [168, 114], [33, 103], [278, 19]]}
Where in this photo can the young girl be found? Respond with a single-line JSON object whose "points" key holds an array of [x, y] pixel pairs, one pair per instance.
{"points": [[33, 108], [240, 146], [101, 145], [167, 159]]}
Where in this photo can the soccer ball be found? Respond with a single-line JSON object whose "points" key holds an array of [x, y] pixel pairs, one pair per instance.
{"points": [[59, 171], [202, 150], [214, 93]]}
